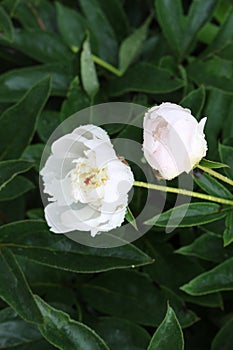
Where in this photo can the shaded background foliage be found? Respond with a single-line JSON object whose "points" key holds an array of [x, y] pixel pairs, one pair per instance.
{"points": [[56, 59]]}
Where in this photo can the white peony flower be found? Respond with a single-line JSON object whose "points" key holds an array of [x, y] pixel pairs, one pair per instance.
{"points": [[174, 141], [87, 183]]}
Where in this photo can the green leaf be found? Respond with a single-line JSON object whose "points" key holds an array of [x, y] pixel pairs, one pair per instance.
{"points": [[212, 165], [16, 188], [9, 169], [168, 335], [132, 45], [228, 232], [211, 185], [88, 72], [14, 136], [186, 215], [33, 154], [71, 26], [130, 218], [107, 44], [199, 13], [47, 123], [65, 333], [226, 155], [6, 25], [207, 33], [117, 293], [35, 214], [144, 77], [46, 47], [170, 18], [224, 338], [115, 14], [208, 246], [223, 9], [220, 278], [204, 73], [195, 101], [15, 332], [181, 268], [60, 252], [76, 100], [219, 102], [121, 334], [223, 37], [227, 52], [14, 84], [14, 288]]}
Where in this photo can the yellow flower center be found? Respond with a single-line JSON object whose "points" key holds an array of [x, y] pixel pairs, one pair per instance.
{"points": [[86, 178]]}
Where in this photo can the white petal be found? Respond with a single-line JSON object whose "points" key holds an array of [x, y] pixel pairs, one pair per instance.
{"points": [[56, 168], [60, 190], [53, 214], [92, 132]]}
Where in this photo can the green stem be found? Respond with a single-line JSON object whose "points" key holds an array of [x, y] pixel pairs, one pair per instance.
{"points": [[101, 63], [106, 65], [215, 174], [183, 192]]}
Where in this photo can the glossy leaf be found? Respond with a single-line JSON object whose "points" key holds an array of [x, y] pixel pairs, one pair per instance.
{"points": [[107, 44], [116, 15], [223, 37], [88, 72], [220, 278], [121, 334], [9, 169], [224, 338], [131, 46], [45, 47], [33, 154], [6, 25], [170, 15], [168, 335], [199, 13], [117, 294], [211, 185], [212, 165], [14, 288], [47, 123], [181, 268], [195, 101], [197, 213], [130, 218], [76, 100], [15, 332], [66, 333], [71, 26], [60, 252], [14, 84], [145, 77], [208, 246], [14, 136], [16, 188], [203, 73], [226, 154], [228, 232]]}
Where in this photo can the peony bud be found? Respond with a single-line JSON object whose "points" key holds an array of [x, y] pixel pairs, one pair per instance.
{"points": [[174, 141]]}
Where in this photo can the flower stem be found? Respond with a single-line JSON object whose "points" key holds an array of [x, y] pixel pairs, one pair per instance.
{"points": [[101, 63], [183, 192], [107, 66], [215, 174]]}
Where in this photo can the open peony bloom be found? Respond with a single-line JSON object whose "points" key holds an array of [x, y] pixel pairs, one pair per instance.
{"points": [[174, 141], [87, 183]]}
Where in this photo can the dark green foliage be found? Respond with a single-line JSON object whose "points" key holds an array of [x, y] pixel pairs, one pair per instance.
{"points": [[164, 291]]}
